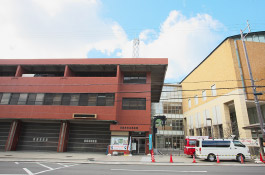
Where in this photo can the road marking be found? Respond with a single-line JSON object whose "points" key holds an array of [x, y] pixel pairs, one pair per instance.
{"points": [[29, 172], [45, 166], [16, 163], [171, 171], [62, 164]]}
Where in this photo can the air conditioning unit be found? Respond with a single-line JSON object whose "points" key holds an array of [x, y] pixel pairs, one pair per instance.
{"points": [[85, 116]]}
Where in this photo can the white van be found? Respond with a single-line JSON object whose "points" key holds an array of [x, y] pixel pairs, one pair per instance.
{"points": [[226, 149]]}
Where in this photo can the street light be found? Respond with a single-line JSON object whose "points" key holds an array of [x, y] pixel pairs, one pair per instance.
{"points": [[211, 126]]}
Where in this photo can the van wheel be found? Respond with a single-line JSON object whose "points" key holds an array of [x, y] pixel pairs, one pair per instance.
{"points": [[238, 157], [211, 157]]}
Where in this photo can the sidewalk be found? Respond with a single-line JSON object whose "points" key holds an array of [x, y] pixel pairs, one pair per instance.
{"points": [[99, 158]]}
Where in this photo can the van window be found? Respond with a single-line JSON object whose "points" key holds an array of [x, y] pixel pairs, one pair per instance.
{"points": [[239, 144], [192, 142], [210, 143], [197, 143], [185, 141]]}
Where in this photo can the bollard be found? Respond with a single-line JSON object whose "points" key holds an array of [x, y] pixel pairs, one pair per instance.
{"points": [[171, 159]]}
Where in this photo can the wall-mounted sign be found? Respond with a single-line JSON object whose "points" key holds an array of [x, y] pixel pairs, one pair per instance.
{"points": [[118, 147], [129, 127]]}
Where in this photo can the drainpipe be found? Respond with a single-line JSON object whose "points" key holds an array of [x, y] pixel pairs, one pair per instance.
{"points": [[240, 70]]}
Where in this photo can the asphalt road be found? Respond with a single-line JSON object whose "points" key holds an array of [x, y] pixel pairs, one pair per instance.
{"points": [[46, 168]]}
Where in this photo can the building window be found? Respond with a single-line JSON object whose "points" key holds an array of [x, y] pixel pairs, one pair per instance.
{"points": [[74, 99], [133, 103], [22, 99], [66, 99], [138, 78], [5, 98], [196, 99], [189, 103], [204, 95], [48, 99], [172, 108], [31, 99], [39, 99], [92, 99], [14, 98], [57, 99], [213, 88]]}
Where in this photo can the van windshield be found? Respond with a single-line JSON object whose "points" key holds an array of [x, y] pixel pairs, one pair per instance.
{"points": [[239, 144], [192, 142]]}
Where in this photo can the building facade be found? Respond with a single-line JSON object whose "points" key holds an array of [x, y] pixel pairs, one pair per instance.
{"points": [[171, 137], [78, 104], [217, 95]]}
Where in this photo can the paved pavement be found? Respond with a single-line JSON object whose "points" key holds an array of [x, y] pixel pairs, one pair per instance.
{"points": [[99, 158]]}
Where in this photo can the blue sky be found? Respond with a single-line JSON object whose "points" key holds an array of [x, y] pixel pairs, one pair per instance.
{"points": [[184, 31]]}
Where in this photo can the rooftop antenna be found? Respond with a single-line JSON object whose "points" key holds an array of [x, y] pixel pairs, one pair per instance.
{"points": [[136, 43]]}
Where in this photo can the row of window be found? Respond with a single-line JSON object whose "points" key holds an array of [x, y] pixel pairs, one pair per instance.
{"points": [[173, 108], [68, 99], [71, 99], [204, 96]]}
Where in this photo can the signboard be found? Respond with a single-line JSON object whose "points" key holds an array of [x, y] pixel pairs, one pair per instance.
{"points": [[118, 147], [150, 141]]}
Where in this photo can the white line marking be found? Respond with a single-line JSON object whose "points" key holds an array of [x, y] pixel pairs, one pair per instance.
{"points": [[16, 163], [45, 166], [62, 164], [29, 172], [53, 169], [159, 171]]}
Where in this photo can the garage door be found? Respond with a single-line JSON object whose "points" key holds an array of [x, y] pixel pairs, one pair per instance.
{"points": [[39, 136], [88, 137], [4, 130]]}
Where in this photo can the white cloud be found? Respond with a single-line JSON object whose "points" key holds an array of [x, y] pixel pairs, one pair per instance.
{"points": [[184, 41], [55, 29], [72, 28]]}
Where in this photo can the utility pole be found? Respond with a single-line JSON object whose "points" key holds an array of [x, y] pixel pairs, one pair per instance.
{"points": [[254, 90]]}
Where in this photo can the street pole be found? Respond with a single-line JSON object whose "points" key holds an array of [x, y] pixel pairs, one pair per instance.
{"points": [[254, 92]]}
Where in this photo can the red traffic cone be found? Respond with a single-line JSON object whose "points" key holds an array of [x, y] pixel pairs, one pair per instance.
{"points": [[171, 159], [218, 161], [242, 160], [261, 158], [194, 161], [152, 156]]}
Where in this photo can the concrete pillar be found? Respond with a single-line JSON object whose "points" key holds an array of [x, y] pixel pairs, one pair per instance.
{"points": [[63, 137], [227, 130], [13, 135], [242, 117]]}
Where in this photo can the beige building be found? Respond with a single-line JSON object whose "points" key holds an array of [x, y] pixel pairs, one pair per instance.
{"points": [[218, 91]]}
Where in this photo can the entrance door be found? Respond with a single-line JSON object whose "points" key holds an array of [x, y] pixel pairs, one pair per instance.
{"points": [[168, 142], [139, 145]]}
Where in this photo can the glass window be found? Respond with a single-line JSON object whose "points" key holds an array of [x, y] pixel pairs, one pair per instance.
{"points": [[83, 100], [213, 88], [31, 99], [1, 94], [139, 78], [196, 99], [101, 100], [66, 99], [14, 99], [133, 103], [22, 99], [74, 99], [39, 99], [48, 99], [110, 99], [189, 103], [57, 99], [5, 98], [92, 99], [192, 142], [204, 95], [238, 144]]}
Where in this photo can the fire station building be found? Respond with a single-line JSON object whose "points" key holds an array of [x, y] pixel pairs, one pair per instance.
{"points": [[81, 105]]}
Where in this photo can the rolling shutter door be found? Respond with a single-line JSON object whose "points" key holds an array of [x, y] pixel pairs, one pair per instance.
{"points": [[39, 136], [4, 131], [89, 137]]}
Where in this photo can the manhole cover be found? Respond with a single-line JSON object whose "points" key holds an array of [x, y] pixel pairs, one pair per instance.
{"points": [[91, 159], [8, 155]]}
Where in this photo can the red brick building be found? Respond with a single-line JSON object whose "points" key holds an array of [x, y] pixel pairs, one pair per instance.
{"points": [[78, 104]]}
